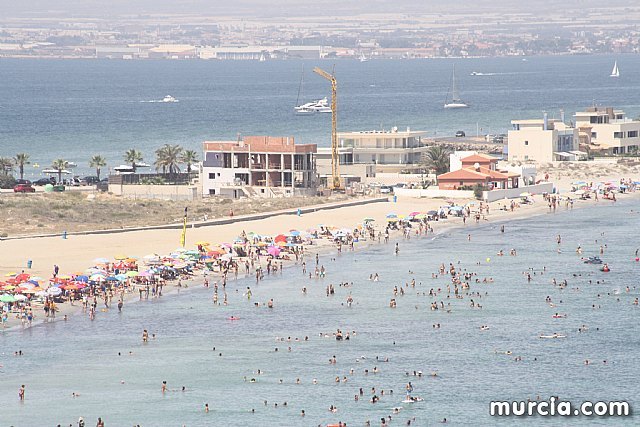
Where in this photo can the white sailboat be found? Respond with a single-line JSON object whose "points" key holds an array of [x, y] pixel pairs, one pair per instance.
{"points": [[262, 57], [455, 101], [615, 72], [363, 58]]}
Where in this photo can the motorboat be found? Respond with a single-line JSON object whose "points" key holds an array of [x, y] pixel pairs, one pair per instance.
{"points": [[593, 260], [169, 98], [318, 106]]}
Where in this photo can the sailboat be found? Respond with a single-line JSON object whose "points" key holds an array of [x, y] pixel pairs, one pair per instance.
{"points": [[455, 101], [262, 58], [363, 58], [615, 72]]}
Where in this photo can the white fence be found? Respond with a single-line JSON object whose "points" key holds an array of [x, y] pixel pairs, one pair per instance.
{"points": [[433, 193], [512, 193]]}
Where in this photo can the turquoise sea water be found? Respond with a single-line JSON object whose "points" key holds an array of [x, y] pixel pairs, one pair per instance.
{"points": [[75, 109], [81, 356]]}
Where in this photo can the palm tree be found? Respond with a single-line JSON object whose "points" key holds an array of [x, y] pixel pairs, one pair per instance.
{"points": [[189, 157], [436, 158], [21, 159], [59, 165], [6, 165], [97, 162], [132, 156], [167, 158]]}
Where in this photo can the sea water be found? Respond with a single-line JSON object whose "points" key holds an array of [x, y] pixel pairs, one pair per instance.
{"points": [[76, 109], [81, 356]]}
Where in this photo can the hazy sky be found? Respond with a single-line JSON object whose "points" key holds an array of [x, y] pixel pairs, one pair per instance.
{"points": [[10, 8]]}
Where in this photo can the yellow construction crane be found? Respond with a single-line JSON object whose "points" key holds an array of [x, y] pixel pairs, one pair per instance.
{"points": [[335, 160]]}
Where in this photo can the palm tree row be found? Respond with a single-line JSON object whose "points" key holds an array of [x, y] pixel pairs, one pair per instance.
{"points": [[168, 159]]}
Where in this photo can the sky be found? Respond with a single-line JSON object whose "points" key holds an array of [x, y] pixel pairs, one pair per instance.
{"points": [[12, 8]]}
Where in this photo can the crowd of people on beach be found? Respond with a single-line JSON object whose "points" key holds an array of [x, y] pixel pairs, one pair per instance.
{"points": [[454, 287]]}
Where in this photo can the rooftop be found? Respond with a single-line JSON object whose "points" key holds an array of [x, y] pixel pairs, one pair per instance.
{"points": [[260, 144]]}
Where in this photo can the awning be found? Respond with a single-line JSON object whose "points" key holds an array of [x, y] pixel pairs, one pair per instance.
{"points": [[564, 154], [578, 153]]}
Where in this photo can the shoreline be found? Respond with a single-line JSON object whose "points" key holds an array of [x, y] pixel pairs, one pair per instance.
{"points": [[324, 247]]}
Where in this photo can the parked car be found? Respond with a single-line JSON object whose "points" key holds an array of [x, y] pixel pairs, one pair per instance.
{"points": [[385, 189], [45, 181], [23, 181], [24, 188], [89, 180], [460, 134]]}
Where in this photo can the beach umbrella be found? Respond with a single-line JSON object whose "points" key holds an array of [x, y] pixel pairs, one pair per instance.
{"points": [[131, 273], [10, 274], [294, 233], [22, 277], [392, 215], [144, 274], [121, 277], [273, 250], [414, 213], [368, 219], [203, 243], [101, 260], [456, 208], [82, 278], [7, 298], [579, 192], [120, 257], [97, 278], [226, 257], [20, 297], [525, 194]]}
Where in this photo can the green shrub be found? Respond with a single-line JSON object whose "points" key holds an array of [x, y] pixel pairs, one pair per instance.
{"points": [[7, 181], [477, 191]]}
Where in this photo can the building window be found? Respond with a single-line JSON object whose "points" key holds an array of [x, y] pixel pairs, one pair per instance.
{"points": [[632, 134], [212, 191], [526, 157], [526, 143], [618, 135], [212, 175]]}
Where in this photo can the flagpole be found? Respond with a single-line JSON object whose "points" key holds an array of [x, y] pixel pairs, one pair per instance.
{"points": [[183, 238]]}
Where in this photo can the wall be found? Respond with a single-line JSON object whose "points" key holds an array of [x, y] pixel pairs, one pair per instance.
{"points": [[540, 148], [434, 193], [513, 193], [395, 178], [163, 192]]}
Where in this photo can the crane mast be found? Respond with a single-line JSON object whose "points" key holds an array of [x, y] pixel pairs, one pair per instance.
{"points": [[335, 160]]}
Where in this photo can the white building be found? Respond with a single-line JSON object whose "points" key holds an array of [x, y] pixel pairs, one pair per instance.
{"points": [[543, 140], [258, 166], [365, 153], [609, 129]]}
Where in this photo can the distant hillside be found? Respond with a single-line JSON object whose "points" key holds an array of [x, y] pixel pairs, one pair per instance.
{"points": [[290, 7]]}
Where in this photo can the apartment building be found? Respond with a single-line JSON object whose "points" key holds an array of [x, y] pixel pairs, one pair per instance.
{"points": [[258, 166], [609, 130], [543, 140]]}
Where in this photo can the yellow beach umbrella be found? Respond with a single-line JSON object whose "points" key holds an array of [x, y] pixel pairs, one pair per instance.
{"points": [[120, 257]]}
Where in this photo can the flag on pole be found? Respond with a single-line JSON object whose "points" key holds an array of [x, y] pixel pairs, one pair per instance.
{"points": [[183, 238]]}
